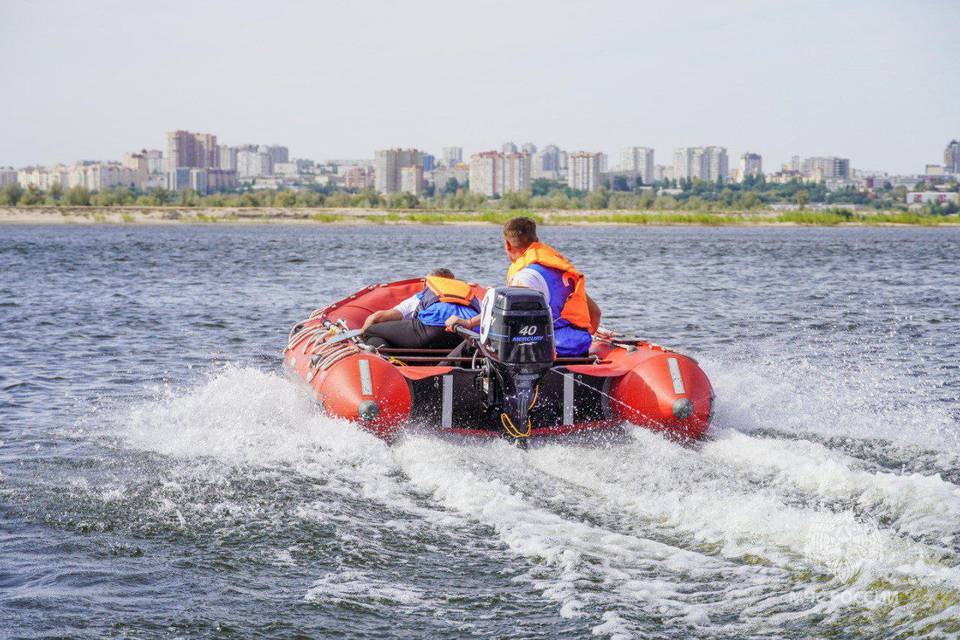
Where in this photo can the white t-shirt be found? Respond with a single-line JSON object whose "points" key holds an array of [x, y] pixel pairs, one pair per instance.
{"points": [[524, 278], [532, 278], [408, 308]]}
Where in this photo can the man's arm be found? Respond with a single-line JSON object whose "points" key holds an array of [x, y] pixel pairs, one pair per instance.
{"points": [[403, 311], [381, 316], [453, 321], [594, 314]]}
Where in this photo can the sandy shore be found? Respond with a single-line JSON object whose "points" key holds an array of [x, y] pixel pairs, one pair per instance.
{"points": [[281, 215]]}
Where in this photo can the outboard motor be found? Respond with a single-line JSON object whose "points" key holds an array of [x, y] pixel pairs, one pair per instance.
{"points": [[516, 336]]}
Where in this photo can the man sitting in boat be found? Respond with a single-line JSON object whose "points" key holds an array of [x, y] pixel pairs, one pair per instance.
{"points": [[418, 322], [538, 266]]}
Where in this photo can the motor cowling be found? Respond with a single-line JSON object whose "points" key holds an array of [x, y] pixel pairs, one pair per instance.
{"points": [[516, 327], [516, 337]]}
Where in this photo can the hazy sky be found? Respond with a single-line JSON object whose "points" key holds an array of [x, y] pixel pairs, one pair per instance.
{"points": [[876, 81]]}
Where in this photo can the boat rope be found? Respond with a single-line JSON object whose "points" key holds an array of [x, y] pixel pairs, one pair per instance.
{"points": [[511, 430], [322, 354]]}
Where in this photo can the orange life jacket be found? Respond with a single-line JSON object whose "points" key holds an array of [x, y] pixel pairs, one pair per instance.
{"points": [[449, 290], [575, 310]]}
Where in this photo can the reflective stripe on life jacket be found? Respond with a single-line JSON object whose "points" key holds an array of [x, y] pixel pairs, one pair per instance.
{"points": [[574, 309]]}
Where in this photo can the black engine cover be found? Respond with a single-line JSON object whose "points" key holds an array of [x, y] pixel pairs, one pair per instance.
{"points": [[516, 327]]}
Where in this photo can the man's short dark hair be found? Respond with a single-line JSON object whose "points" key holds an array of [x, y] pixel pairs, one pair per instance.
{"points": [[520, 232], [443, 273]]}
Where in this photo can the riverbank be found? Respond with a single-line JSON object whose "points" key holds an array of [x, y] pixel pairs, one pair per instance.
{"points": [[282, 215]]}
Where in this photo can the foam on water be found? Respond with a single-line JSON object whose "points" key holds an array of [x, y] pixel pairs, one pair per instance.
{"points": [[743, 533], [832, 391], [914, 504]]}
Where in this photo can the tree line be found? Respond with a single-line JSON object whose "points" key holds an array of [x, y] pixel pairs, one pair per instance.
{"points": [[753, 194]]}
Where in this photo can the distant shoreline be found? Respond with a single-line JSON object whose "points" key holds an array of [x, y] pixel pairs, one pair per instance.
{"points": [[150, 215]]}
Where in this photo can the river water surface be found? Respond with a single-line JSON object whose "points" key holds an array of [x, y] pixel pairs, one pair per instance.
{"points": [[159, 477]]}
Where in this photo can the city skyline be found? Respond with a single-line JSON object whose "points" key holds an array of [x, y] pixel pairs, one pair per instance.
{"points": [[332, 79], [199, 162]]}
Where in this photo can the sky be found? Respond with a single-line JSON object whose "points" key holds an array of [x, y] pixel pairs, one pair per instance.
{"points": [[875, 81]]}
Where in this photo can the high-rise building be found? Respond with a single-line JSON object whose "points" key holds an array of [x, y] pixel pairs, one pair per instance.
{"points": [[688, 163], [514, 173], [441, 176], [751, 164], [551, 158], [528, 148], [252, 163], [137, 163], [145, 162], [545, 163], [155, 162], [483, 173], [411, 180], [452, 156], [135, 160], [429, 161], [494, 174], [826, 168], [508, 147], [8, 175], [221, 180], [583, 173], [701, 163], [662, 172], [638, 160], [179, 179], [228, 157], [186, 149], [278, 153], [358, 177], [717, 164], [201, 180], [951, 157], [387, 166]]}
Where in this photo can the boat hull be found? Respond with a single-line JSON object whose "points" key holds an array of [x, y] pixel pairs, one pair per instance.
{"points": [[638, 382]]}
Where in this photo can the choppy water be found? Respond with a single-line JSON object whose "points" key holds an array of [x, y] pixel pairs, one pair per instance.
{"points": [[160, 478]]}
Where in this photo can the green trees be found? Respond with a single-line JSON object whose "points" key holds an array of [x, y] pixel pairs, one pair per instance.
{"points": [[115, 197], [55, 193], [543, 187], [368, 198], [161, 196], [401, 201], [285, 199], [77, 197], [309, 199], [339, 199], [11, 194], [699, 196], [515, 200], [31, 196], [750, 200], [598, 199], [189, 198]]}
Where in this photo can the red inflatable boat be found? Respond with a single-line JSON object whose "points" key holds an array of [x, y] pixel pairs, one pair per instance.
{"points": [[499, 383]]}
